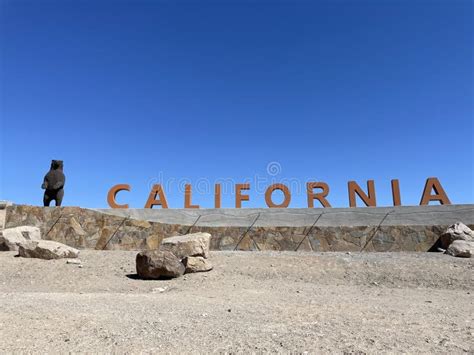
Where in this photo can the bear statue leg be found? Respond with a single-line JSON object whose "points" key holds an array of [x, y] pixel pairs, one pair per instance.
{"points": [[46, 199], [59, 197]]}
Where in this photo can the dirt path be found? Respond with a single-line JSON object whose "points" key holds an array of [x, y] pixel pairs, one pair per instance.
{"points": [[331, 302]]}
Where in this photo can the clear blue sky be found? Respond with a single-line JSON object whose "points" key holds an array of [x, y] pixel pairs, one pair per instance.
{"points": [[142, 91]]}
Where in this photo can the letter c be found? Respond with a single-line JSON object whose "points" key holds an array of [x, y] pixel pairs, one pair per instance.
{"points": [[113, 193]]}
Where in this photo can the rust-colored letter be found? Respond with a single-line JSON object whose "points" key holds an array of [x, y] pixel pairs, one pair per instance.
{"points": [[187, 197], [269, 192], [320, 196], [152, 201], [368, 199], [113, 193], [238, 194], [397, 201], [217, 196], [433, 183]]}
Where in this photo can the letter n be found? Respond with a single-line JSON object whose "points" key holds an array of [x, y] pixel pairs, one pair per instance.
{"points": [[368, 199]]}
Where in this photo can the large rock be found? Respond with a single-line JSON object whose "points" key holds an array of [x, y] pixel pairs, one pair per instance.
{"points": [[47, 249], [196, 244], [196, 264], [11, 238], [461, 248], [457, 231], [155, 264]]}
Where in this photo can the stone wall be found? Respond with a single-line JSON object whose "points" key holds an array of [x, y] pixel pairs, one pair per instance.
{"points": [[87, 229], [355, 229]]}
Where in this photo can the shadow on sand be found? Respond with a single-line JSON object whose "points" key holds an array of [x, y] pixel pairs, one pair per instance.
{"points": [[138, 277]]}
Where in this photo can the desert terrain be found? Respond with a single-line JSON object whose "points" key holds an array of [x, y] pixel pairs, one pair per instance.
{"points": [[251, 302]]}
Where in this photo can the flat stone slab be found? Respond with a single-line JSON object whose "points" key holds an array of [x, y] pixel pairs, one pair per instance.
{"points": [[302, 217], [47, 249]]}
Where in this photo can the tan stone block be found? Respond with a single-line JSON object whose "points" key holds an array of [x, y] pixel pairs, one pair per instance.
{"points": [[140, 223], [153, 242], [76, 227], [196, 264]]}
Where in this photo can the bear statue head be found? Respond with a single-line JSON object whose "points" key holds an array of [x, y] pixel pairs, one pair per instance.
{"points": [[56, 165]]}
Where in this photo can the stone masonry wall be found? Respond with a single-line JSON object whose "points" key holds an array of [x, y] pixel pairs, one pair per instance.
{"points": [[86, 229], [91, 229]]}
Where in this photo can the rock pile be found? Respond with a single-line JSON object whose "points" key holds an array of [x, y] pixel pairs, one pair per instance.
{"points": [[175, 257], [458, 240], [27, 241]]}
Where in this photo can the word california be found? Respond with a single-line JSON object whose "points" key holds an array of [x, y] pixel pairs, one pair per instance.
{"points": [[315, 191]]}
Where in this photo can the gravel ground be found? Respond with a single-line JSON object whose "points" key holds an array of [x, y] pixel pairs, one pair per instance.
{"points": [[250, 302]]}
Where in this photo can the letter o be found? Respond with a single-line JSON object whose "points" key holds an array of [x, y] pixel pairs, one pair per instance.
{"points": [[282, 188]]}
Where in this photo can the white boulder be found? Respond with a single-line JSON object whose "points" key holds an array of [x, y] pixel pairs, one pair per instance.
{"points": [[461, 248], [196, 244], [12, 238]]}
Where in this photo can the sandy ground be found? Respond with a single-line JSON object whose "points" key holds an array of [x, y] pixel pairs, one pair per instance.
{"points": [[250, 302]]}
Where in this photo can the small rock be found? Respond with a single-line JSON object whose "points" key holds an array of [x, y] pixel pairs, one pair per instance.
{"points": [[154, 264], [196, 264], [461, 248], [457, 231], [74, 261], [160, 289], [46, 249]]}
